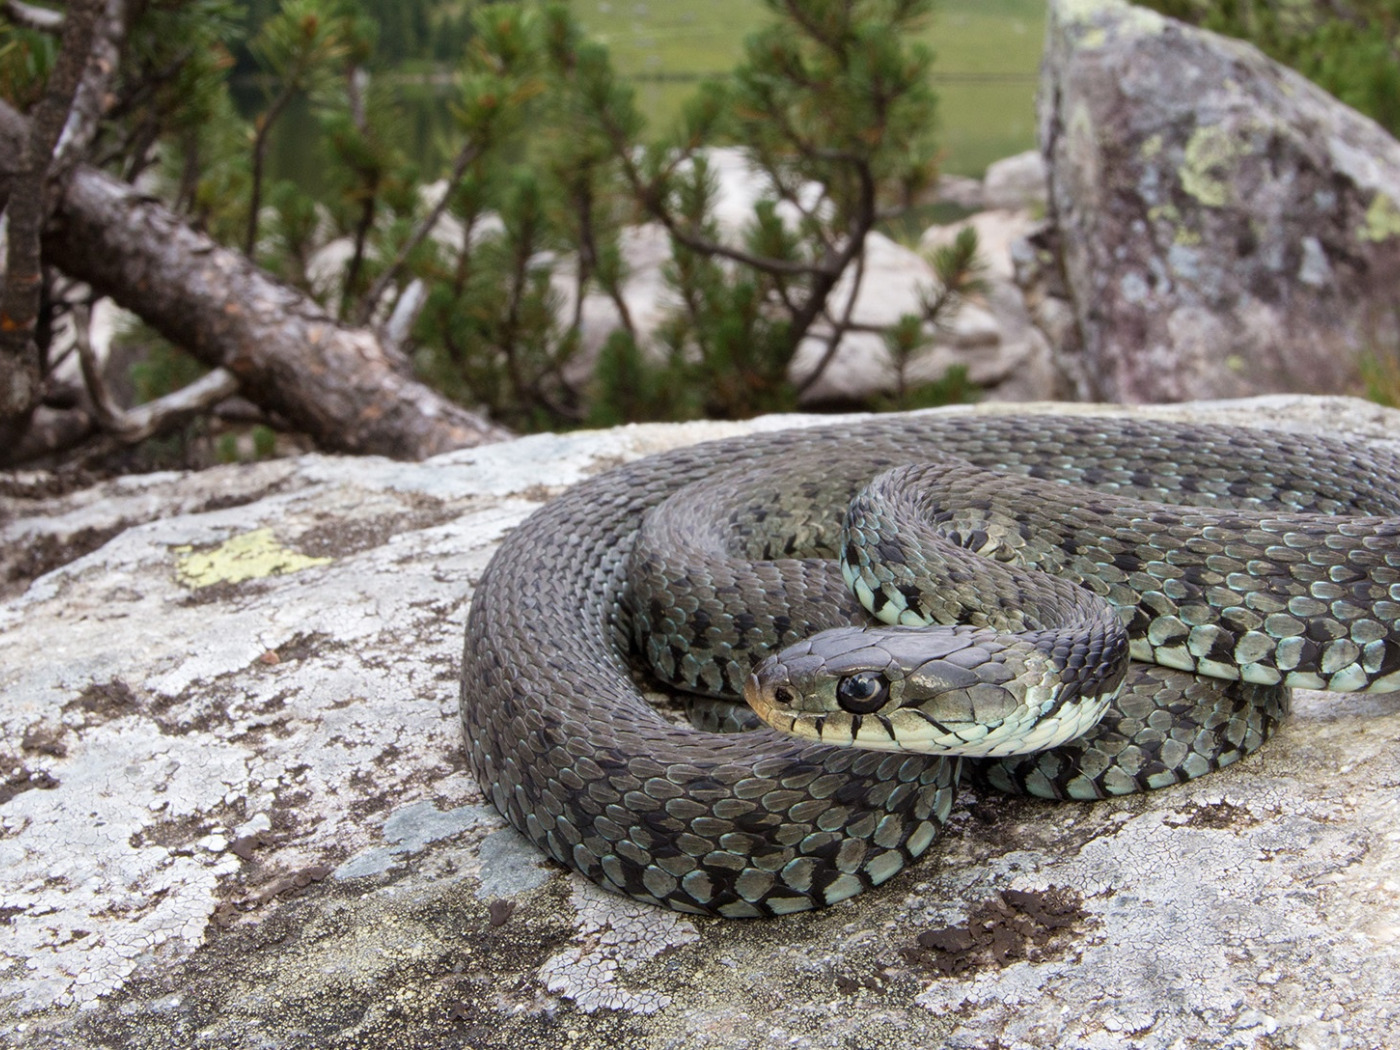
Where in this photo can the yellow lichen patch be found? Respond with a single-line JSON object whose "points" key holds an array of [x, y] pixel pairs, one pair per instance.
{"points": [[1382, 220], [1211, 153], [1134, 19], [249, 556]]}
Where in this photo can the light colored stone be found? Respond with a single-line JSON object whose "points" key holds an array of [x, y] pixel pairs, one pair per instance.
{"points": [[1015, 183], [997, 231], [216, 756], [961, 190]]}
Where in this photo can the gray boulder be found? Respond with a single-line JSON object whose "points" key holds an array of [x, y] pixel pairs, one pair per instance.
{"points": [[234, 812], [1224, 227], [1017, 182]]}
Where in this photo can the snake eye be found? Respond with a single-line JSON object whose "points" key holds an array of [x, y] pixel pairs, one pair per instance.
{"points": [[862, 693]]}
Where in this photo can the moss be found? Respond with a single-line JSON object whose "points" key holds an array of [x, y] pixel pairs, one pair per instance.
{"points": [[1210, 153], [1126, 18], [1382, 220]]}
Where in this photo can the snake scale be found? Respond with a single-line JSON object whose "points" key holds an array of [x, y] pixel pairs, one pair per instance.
{"points": [[1265, 556]]}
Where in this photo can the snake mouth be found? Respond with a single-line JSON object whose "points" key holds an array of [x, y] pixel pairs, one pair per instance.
{"points": [[769, 698], [769, 690]]}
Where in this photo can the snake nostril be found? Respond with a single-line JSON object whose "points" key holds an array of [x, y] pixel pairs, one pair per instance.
{"points": [[783, 695]]}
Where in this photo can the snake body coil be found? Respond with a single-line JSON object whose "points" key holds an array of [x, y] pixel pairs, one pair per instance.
{"points": [[558, 733]]}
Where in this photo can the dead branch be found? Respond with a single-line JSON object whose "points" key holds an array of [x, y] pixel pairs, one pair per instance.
{"points": [[21, 365], [39, 19], [335, 383], [155, 417]]}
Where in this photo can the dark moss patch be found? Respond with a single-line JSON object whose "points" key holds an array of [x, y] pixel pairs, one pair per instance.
{"points": [[104, 701], [45, 484], [336, 539], [24, 779], [224, 592], [313, 643], [238, 499], [44, 739], [1218, 815], [44, 553], [325, 965], [1014, 925]]}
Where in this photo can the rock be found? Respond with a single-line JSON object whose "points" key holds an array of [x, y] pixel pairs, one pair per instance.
{"points": [[1225, 227], [991, 340], [997, 231], [1015, 182], [234, 813], [1005, 358], [961, 190], [1022, 370]]}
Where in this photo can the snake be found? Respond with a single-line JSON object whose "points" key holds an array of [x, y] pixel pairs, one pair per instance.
{"points": [[1261, 559]]}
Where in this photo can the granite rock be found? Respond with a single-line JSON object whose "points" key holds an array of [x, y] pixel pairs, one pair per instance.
{"points": [[235, 813]]}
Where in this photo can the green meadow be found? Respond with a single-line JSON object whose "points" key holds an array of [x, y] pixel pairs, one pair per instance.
{"points": [[987, 53], [986, 59]]}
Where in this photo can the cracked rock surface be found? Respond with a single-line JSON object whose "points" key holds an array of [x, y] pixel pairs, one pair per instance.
{"points": [[234, 812]]}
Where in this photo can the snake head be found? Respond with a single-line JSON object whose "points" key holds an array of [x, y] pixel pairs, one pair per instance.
{"points": [[942, 690]]}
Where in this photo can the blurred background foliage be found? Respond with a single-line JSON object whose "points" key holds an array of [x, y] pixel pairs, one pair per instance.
{"points": [[462, 174], [1351, 48]]}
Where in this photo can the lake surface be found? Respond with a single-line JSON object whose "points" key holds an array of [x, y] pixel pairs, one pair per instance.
{"points": [[987, 55]]}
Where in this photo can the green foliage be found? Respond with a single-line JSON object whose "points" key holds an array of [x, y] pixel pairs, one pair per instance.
{"points": [[406, 30], [163, 368], [294, 234], [300, 48], [628, 388], [550, 167], [988, 53], [264, 442], [175, 66], [960, 276], [25, 60], [1349, 47], [1380, 363], [833, 108]]}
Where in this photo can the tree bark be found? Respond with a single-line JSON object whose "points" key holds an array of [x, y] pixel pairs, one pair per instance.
{"points": [[333, 382], [27, 204]]}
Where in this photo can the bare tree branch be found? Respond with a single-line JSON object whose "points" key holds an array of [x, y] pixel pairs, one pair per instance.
{"points": [[262, 128], [839, 328], [40, 19], [14, 133], [92, 98], [21, 367], [463, 161], [400, 323], [334, 383], [154, 417]]}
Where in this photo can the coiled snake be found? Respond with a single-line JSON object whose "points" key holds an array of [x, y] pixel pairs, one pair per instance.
{"points": [[1290, 575]]}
